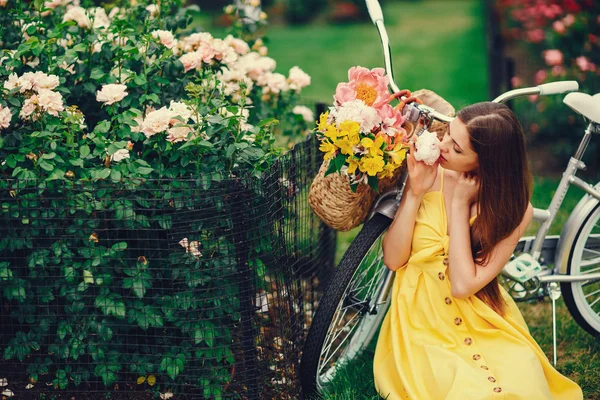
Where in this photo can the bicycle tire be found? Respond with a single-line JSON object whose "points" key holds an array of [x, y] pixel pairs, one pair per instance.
{"points": [[332, 301], [573, 292]]}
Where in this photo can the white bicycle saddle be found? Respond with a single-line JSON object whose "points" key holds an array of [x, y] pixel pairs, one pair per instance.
{"points": [[584, 104]]}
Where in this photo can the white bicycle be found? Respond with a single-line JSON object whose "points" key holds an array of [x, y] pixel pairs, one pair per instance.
{"points": [[358, 295]]}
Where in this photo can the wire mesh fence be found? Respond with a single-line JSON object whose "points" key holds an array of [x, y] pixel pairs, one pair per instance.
{"points": [[200, 288]]}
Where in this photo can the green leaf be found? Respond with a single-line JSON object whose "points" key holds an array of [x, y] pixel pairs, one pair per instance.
{"points": [[102, 127], [84, 151], [144, 170], [97, 74]]}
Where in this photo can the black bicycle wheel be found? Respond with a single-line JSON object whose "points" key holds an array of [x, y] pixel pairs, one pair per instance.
{"points": [[583, 298], [344, 324]]}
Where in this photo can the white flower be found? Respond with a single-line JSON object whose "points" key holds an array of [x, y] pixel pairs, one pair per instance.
{"points": [[166, 38], [111, 93], [78, 15], [51, 102], [42, 81], [428, 148], [156, 122], [190, 60], [306, 113], [153, 9], [166, 395], [356, 110], [298, 79], [273, 82], [180, 109], [178, 134], [29, 107], [193, 42], [119, 155], [139, 120], [3, 382], [101, 20], [238, 45], [14, 82], [254, 65], [190, 247]]}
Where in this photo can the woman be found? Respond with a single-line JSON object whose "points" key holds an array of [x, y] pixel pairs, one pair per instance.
{"points": [[452, 332]]}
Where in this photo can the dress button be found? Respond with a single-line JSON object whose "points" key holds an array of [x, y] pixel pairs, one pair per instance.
{"points": [[468, 341], [491, 379], [448, 300], [457, 321], [441, 276], [497, 389], [476, 357], [446, 261], [484, 367]]}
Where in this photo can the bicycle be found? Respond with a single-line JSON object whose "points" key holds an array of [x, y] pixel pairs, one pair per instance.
{"points": [[358, 295]]}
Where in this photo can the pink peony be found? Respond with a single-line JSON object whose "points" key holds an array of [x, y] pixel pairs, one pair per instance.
{"points": [[553, 57], [111, 93], [5, 117], [392, 121], [370, 86]]}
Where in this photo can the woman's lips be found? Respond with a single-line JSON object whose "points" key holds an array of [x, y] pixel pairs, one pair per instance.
{"points": [[441, 159]]}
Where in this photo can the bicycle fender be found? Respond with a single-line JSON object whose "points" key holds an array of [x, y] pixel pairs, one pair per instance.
{"points": [[569, 232]]}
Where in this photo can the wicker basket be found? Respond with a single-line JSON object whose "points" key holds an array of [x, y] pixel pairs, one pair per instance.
{"points": [[337, 205], [331, 197]]}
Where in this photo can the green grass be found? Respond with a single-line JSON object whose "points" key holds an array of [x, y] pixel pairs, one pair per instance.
{"points": [[438, 45]]}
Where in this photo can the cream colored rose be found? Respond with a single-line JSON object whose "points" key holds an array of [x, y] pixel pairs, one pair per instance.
{"points": [[5, 117], [306, 113], [166, 38], [120, 155], [78, 15], [50, 101], [298, 79], [178, 134], [111, 93], [190, 61], [238, 45], [428, 148], [157, 121]]}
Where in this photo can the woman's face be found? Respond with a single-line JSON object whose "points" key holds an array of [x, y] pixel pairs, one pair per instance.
{"points": [[456, 152]]}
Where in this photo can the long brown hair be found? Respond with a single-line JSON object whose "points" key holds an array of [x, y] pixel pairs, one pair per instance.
{"points": [[505, 183]]}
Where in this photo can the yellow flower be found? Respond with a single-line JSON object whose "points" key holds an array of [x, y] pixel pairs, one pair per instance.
{"points": [[348, 128], [398, 154], [388, 171], [331, 132], [376, 150], [322, 124], [354, 139], [366, 143], [372, 165], [353, 163], [328, 148], [345, 146]]}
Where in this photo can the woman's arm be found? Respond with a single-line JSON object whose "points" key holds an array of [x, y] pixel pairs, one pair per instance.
{"points": [[397, 242], [467, 277]]}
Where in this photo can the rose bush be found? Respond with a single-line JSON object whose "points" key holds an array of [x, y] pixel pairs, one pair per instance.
{"points": [[563, 39], [123, 119]]}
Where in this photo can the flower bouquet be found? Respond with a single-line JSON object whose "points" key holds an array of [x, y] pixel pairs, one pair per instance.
{"points": [[362, 134], [365, 140]]}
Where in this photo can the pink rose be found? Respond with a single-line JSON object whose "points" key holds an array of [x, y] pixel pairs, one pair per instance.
{"points": [[370, 86], [553, 57], [584, 64], [570, 20], [5, 117], [558, 70], [166, 38], [190, 61], [515, 81], [559, 27], [540, 76], [535, 36]]}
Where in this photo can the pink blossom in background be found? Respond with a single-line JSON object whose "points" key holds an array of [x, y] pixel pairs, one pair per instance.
{"points": [[569, 20], [559, 27], [540, 76], [558, 70], [553, 57], [534, 128], [584, 64], [515, 81], [370, 86], [533, 98], [535, 36]]}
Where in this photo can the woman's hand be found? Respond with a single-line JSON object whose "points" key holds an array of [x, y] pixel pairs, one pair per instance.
{"points": [[466, 189], [421, 175]]}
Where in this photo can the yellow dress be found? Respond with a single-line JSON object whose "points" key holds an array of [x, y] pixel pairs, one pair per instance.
{"points": [[433, 346]]}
